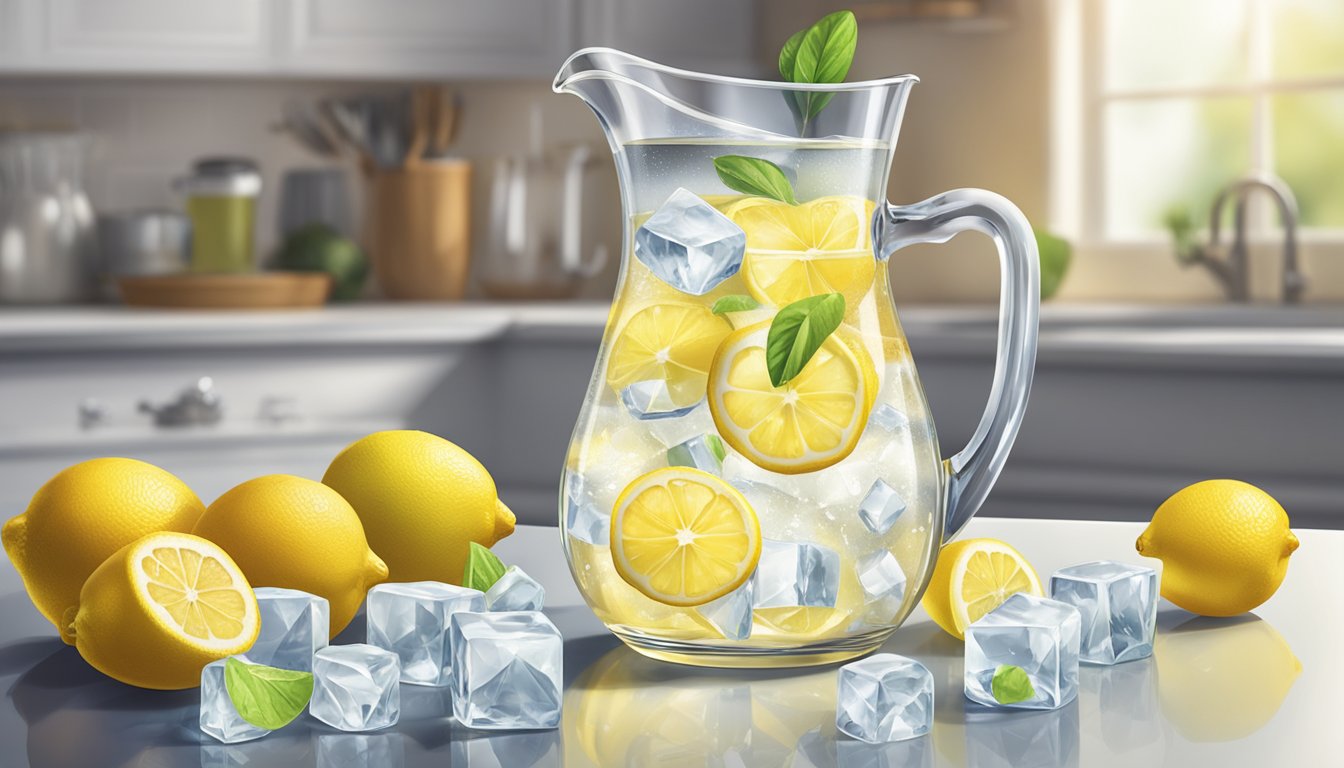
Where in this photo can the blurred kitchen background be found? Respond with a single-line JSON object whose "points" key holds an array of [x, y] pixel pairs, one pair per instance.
{"points": [[143, 142]]}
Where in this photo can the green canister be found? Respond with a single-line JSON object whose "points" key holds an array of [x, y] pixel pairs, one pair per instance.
{"points": [[221, 200]]}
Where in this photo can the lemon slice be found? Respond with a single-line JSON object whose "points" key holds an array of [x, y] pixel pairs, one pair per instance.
{"points": [[972, 578], [811, 422], [796, 251], [684, 537], [671, 342], [191, 588]]}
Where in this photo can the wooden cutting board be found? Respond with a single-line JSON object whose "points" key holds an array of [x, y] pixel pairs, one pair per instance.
{"points": [[258, 290]]}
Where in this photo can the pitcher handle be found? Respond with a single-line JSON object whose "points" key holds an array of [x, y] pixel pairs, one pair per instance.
{"points": [[971, 473]]}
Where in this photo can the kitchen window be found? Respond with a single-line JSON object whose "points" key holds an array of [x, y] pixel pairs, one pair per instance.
{"points": [[1169, 100]]}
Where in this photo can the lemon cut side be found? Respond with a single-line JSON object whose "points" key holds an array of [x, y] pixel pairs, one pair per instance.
{"points": [[972, 578], [196, 592], [671, 342], [684, 537]]}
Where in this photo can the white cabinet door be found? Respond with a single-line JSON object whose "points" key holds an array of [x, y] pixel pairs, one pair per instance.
{"points": [[430, 38], [145, 36], [715, 36]]}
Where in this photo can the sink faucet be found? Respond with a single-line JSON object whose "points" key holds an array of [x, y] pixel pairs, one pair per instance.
{"points": [[1233, 270]]}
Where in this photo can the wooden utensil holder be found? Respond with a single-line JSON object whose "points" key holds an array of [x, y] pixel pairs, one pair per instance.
{"points": [[420, 230]]}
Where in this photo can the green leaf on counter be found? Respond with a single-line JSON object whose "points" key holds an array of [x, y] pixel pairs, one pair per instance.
{"points": [[264, 696], [483, 568], [754, 176], [798, 331], [738, 302], [1011, 685], [822, 53]]}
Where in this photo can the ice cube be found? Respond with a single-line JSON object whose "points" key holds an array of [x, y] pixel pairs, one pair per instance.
{"points": [[355, 687], [884, 698], [1118, 605], [881, 577], [506, 670], [411, 620], [357, 750], [515, 591], [704, 452], [584, 519], [651, 399], [731, 614], [888, 417], [219, 719], [528, 749], [796, 574], [689, 245], [1037, 634], [294, 626], [880, 509]]}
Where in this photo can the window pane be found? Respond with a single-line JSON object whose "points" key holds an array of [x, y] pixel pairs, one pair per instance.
{"points": [[1167, 152], [1309, 153], [1308, 37], [1158, 43]]}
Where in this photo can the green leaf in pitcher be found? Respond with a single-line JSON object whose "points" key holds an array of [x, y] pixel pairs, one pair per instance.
{"points": [[737, 302], [754, 176], [822, 53], [483, 568], [798, 331], [1011, 684], [264, 696]]}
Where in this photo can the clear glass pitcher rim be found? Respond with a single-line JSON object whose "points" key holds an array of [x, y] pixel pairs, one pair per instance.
{"points": [[565, 77]]}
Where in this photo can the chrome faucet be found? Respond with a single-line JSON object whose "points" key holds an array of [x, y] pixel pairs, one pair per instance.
{"points": [[1233, 269]]}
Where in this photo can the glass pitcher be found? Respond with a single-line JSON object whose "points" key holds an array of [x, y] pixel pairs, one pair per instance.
{"points": [[712, 512]]}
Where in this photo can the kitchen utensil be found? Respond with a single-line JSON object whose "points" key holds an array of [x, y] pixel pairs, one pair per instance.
{"points": [[48, 248], [831, 446], [420, 224], [255, 290], [352, 129], [145, 242], [447, 110], [535, 247], [423, 106], [316, 195], [221, 199], [306, 124]]}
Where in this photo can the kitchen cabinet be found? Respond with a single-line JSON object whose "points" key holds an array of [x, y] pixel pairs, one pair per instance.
{"points": [[363, 39]]}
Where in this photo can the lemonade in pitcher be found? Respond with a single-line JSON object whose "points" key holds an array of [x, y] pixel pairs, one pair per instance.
{"points": [[754, 479]]}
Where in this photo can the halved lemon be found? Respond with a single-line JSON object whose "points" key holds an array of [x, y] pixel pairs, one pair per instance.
{"points": [[972, 578], [161, 608], [796, 251], [684, 537], [673, 342], [811, 422]]}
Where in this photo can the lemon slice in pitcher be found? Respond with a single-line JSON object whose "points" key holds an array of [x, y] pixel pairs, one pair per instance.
{"points": [[684, 537], [796, 251], [672, 342], [811, 422]]}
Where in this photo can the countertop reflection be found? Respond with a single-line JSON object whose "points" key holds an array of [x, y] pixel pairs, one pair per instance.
{"points": [[1256, 689]]}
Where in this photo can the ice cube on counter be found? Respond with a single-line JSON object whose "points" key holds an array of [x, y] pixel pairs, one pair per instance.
{"points": [[219, 719], [506, 670], [294, 626], [793, 574], [356, 687], [703, 452], [689, 244], [651, 400], [884, 698], [515, 591], [731, 614], [411, 621], [881, 508], [1118, 606], [1037, 634]]}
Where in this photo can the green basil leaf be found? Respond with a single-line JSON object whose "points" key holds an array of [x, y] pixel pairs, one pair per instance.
{"points": [[789, 54], [483, 568], [754, 176], [798, 331], [680, 456], [265, 696], [716, 447], [1011, 685], [737, 302]]}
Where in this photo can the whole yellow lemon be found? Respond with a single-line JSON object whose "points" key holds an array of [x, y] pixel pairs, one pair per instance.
{"points": [[422, 499], [1224, 547], [162, 607], [84, 514], [292, 532]]}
